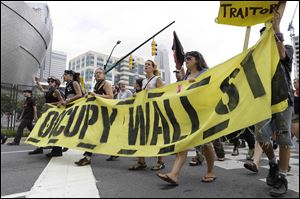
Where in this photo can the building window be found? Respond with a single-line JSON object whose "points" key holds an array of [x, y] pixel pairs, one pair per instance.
{"points": [[131, 80], [82, 62], [78, 65], [140, 69], [89, 60]]}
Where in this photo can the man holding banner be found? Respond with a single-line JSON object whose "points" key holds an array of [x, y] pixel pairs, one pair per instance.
{"points": [[280, 122]]}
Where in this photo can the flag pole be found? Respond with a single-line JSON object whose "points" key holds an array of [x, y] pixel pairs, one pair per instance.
{"points": [[137, 48]]}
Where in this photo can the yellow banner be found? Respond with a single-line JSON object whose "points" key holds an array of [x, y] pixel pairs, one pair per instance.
{"points": [[245, 13], [228, 97]]}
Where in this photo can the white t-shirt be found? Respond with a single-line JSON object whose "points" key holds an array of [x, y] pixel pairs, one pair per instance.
{"points": [[123, 95], [151, 84]]}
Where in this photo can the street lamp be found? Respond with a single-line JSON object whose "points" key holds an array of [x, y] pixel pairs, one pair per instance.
{"points": [[118, 42]]}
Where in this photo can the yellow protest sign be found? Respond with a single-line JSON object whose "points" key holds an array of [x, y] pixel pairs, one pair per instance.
{"points": [[230, 96], [245, 13]]}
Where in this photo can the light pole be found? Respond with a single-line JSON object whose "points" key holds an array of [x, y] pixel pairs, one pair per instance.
{"points": [[118, 42]]}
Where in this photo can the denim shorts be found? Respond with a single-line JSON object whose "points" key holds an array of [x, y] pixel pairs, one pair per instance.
{"points": [[280, 124]]}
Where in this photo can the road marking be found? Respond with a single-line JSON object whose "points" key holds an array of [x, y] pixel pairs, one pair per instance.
{"points": [[16, 195], [63, 179], [15, 152]]}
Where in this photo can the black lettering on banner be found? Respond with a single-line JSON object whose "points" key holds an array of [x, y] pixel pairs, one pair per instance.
{"points": [[89, 121], [90, 99], [252, 76], [279, 86], [232, 12], [44, 126], [135, 126], [272, 8], [56, 131], [147, 121], [107, 122], [231, 91], [69, 105], [165, 125], [86, 145], [52, 141], [255, 9], [126, 102], [167, 149], [127, 152], [224, 6], [240, 13], [156, 128], [173, 120], [215, 129], [201, 83], [264, 11], [77, 121], [154, 95], [33, 140], [192, 113]]}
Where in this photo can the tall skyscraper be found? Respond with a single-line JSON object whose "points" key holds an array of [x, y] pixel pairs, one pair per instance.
{"points": [[58, 63], [162, 61], [296, 56]]}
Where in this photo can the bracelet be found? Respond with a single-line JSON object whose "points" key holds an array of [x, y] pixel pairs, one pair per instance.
{"points": [[279, 37]]}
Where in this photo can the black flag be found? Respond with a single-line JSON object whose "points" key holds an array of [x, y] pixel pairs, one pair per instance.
{"points": [[178, 52]]}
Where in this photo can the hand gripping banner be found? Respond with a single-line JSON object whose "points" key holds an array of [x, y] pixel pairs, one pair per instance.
{"points": [[228, 97]]}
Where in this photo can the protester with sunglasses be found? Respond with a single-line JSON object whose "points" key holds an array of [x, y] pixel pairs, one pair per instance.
{"points": [[52, 96], [196, 65]]}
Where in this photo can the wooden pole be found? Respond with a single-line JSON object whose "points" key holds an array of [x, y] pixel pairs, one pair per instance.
{"points": [[247, 37]]}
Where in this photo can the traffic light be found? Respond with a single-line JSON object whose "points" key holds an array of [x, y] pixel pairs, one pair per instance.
{"points": [[154, 48], [131, 62]]}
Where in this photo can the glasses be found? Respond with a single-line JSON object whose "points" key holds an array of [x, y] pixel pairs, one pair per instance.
{"points": [[51, 81]]}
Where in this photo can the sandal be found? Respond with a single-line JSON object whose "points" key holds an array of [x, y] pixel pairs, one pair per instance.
{"points": [[137, 166], [208, 179], [166, 178], [195, 162], [158, 166], [251, 166]]}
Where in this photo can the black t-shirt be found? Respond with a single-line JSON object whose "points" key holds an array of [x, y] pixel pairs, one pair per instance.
{"points": [[28, 108], [287, 68]]}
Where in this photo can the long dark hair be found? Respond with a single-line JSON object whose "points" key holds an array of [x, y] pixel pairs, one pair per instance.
{"points": [[201, 63]]}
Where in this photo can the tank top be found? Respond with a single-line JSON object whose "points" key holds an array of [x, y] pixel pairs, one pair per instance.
{"points": [[197, 75], [49, 96], [98, 88], [69, 91], [150, 84]]}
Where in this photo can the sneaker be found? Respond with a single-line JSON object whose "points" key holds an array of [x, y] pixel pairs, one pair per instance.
{"points": [[36, 151], [82, 162], [251, 166], [12, 143], [4, 140], [235, 152], [50, 155], [158, 166], [250, 154], [273, 172], [280, 187]]}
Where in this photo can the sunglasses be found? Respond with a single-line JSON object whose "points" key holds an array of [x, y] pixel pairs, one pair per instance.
{"points": [[188, 58], [50, 80]]}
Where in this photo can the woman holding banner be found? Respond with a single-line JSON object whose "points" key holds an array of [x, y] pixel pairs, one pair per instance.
{"points": [[152, 81], [103, 89], [196, 65]]}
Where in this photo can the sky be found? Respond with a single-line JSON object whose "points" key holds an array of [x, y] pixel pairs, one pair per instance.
{"points": [[97, 25]]}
